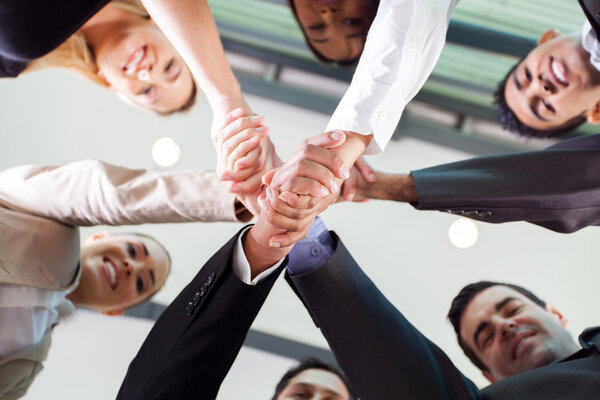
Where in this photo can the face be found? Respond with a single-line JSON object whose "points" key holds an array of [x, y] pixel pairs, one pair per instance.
{"points": [[512, 334], [337, 29], [119, 271], [315, 384], [136, 60], [555, 83]]}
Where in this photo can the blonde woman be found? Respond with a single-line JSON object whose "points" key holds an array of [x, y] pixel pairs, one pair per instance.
{"points": [[116, 45]]}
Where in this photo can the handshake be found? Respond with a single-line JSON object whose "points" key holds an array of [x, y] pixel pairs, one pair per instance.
{"points": [[288, 196]]}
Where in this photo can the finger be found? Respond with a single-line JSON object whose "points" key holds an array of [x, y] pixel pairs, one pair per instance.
{"points": [[297, 201], [252, 160], [233, 115], [233, 137], [283, 208], [365, 170], [242, 150], [249, 186], [305, 186], [287, 239], [349, 187], [328, 139], [268, 177]]}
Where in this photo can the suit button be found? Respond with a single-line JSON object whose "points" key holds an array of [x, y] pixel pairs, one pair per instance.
{"points": [[485, 214], [471, 213], [202, 291], [210, 278], [190, 308], [315, 251], [196, 298]]}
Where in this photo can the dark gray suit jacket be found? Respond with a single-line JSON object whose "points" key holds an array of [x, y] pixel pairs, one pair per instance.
{"points": [[385, 357], [557, 188], [591, 9]]}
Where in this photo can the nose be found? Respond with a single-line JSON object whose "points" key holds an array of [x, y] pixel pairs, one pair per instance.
{"points": [[506, 328], [544, 85], [144, 75]]}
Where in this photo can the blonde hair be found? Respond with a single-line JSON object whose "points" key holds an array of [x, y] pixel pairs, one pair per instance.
{"points": [[75, 54]]}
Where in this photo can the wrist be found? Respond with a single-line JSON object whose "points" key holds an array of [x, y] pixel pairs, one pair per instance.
{"points": [[256, 247]]}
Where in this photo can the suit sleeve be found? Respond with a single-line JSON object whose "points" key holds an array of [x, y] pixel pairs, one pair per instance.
{"points": [[557, 188], [190, 349], [381, 353], [91, 192]]}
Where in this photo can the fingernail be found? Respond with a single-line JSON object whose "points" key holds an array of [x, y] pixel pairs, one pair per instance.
{"points": [[238, 113], [256, 119], [324, 191], [255, 139], [335, 187], [372, 177], [336, 135], [348, 197], [271, 192], [345, 172], [275, 244], [235, 189], [262, 129], [226, 176]]}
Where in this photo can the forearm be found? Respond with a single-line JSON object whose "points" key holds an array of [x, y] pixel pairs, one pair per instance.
{"points": [[190, 27], [394, 187]]}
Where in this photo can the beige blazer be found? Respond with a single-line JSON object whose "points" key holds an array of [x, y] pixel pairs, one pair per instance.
{"points": [[41, 207]]}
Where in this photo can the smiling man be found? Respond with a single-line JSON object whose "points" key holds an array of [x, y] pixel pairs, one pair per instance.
{"points": [[556, 87], [505, 329]]}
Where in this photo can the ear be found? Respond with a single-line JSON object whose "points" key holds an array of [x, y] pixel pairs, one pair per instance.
{"points": [[489, 376], [549, 35], [113, 313], [593, 116], [557, 315], [91, 239]]}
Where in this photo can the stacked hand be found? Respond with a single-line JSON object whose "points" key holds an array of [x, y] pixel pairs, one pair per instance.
{"points": [[291, 195]]}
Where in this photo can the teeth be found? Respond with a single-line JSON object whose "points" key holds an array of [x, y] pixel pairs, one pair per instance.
{"points": [[112, 273], [558, 72], [139, 55]]}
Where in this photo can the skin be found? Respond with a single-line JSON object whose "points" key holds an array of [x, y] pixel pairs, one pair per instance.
{"points": [[337, 29], [534, 87], [135, 269], [515, 334], [161, 81], [315, 384]]}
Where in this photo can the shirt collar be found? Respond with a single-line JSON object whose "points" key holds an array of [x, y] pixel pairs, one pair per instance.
{"points": [[590, 43]]}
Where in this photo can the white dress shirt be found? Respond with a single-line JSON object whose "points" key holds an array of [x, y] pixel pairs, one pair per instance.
{"points": [[402, 47], [590, 43]]}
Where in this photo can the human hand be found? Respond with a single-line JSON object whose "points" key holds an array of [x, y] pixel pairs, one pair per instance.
{"points": [[354, 188], [307, 185]]}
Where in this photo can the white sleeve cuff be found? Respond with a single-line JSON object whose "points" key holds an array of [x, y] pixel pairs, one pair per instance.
{"points": [[241, 266]]}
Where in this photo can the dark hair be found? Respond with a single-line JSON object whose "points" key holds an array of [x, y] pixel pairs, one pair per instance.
{"points": [[309, 363], [462, 300], [344, 64], [511, 123]]}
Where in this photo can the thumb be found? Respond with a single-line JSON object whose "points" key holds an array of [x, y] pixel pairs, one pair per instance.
{"points": [[268, 177], [328, 140]]}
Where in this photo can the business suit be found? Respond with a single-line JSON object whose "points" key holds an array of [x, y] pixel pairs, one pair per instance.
{"points": [[196, 339], [385, 357], [557, 188], [591, 9]]}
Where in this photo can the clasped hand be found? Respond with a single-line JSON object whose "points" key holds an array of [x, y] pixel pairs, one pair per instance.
{"points": [[290, 195]]}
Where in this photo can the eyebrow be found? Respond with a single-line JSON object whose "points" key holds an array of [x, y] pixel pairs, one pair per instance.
{"points": [[310, 385], [152, 277], [483, 325]]}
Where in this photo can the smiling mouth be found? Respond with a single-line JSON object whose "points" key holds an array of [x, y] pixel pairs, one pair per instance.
{"points": [[111, 271], [133, 62], [520, 344], [558, 72]]}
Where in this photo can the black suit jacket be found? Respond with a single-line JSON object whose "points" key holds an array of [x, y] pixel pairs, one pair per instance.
{"points": [[190, 349], [557, 188], [385, 357], [591, 9], [30, 28]]}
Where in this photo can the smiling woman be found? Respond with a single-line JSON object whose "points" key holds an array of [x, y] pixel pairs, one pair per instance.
{"points": [[118, 47]]}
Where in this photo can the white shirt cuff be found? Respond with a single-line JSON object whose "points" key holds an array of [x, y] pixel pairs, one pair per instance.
{"points": [[241, 266]]}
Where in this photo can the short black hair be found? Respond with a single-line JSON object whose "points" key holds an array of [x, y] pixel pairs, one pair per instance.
{"points": [[511, 123], [373, 5], [309, 363], [462, 300]]}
